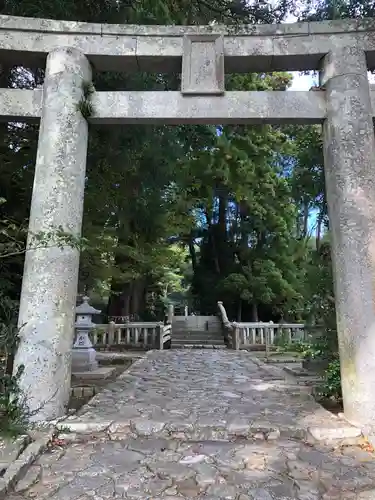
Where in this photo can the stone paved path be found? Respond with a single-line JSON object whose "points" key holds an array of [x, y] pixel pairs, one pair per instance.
{"points": [[207, 425]]}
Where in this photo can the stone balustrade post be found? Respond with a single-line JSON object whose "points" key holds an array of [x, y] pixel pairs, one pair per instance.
{"points": [[49, 287], [272, 333], [159, 336], [268, 338], [170, 313], [235, 337], [349, 154], [111, 332]]}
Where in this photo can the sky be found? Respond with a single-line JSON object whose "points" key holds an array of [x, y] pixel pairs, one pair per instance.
{"points": [[303, 82]]}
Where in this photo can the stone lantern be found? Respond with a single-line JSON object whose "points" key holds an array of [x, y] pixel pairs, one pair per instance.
{"points": [[84, 354]]}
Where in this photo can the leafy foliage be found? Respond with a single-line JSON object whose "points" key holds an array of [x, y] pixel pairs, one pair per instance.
{"points": [[185, 213], [156, 184], [13, 410], [318, 349], [13, 413], [331, 387]]}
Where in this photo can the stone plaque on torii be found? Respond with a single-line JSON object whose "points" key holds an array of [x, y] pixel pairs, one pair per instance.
{"points": [[342, 51]]}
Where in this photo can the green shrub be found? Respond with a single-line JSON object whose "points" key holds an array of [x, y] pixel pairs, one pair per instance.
{"points": [[14, 414], [282, 340], [318, 349], [13, 411], [309, 350], [331, 387]]}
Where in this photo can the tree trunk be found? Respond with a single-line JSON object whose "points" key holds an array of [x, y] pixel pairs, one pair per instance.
{"points": [[318, 232], [9, 363], [118, 303], [254, 312], [239, 310], [244, 235], [220, 235], [234, 229], [222, 221], [305, 218], [137, 298], [212, 242], [126, 301], [193, 254], [119, 300]]}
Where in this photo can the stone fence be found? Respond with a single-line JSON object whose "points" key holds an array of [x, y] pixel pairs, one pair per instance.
{"points": [[247, 335], [90, 336], [137, 335], [251, 335]]}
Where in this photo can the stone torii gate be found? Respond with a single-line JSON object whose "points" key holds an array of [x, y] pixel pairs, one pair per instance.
{"points": [[343, 51]]}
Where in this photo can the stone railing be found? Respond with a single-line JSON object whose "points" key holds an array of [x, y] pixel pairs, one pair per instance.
{"points": [[247, 335], [137, 335], [165, 336], [228, 328], [252, 335]]}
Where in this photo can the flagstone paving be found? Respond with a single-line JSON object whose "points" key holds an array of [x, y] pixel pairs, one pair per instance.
{"points": [[191, 424]]}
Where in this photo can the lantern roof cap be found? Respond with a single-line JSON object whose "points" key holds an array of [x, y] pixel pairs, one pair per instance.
{"points": [[85, 307]]}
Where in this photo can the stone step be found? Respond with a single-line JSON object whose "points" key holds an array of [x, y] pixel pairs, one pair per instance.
{"points": [[186, 469], [193, 465], [194, 335], [180, 328], [196, 338], [196, 323], [197, 341], [216, 331], [241, 429], [198, 346]]}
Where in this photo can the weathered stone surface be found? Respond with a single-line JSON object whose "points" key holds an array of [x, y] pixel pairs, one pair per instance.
{"points": [[334, 433], [31, 477], [297, 46], [147, 427], [111, 470], [366, 495], [20, 103], [203, 65], [274, 434], [202, 390], [50, 25], [10, 449], [233, 107], [85, 427], [172, 107], [156, 398], [349, 151], [49, 287], [95, 375], [20, 466]]}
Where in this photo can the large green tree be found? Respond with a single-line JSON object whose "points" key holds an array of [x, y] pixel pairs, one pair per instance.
{"points": [[245, 216], [133, 171]]}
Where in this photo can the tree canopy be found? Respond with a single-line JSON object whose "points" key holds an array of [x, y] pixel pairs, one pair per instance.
{"points": [[190, 214]]}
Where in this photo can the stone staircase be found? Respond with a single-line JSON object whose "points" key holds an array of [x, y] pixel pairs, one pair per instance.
{"points": [[197, 331]]}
